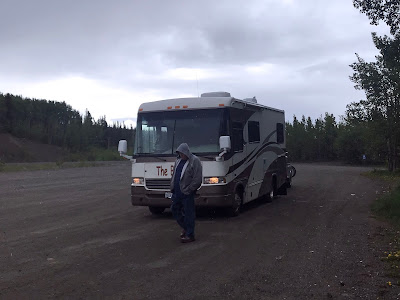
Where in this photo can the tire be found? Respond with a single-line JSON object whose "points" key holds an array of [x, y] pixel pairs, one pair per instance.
{"points": [[234, 210], [294, 172], [283, 189], [269, 197], [272, 194], [156, 210], [289, 182]]}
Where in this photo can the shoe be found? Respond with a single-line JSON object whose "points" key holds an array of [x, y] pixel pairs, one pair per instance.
{"points": [[183, 233], [187, 239]]}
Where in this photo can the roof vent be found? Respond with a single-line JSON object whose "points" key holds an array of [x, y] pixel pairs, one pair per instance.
{"points": [[254, 100], [216, 94]]}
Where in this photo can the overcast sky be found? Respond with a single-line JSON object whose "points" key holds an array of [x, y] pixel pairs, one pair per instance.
{"points": [[110, 56]]}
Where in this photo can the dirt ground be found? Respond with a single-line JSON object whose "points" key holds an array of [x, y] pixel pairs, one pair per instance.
{"points": [[13, 149], [72, 233]]}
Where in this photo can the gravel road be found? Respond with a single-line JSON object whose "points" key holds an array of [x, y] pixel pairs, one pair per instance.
{"points": [[72, 233]]}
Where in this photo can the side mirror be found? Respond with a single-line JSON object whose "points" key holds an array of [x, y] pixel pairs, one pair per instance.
{"points": [[122, 147], [225, 143]]}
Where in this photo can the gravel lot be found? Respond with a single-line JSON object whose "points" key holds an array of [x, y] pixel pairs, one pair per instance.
{"points": [[72, 233]]}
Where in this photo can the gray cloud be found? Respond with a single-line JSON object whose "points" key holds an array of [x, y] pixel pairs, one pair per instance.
{"points": [[130, 44]]}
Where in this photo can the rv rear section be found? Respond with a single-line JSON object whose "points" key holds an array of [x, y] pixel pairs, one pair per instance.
{"points": [[241, 145]]}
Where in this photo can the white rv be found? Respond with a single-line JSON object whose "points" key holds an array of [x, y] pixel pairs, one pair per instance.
{"points": [[241, 145]]}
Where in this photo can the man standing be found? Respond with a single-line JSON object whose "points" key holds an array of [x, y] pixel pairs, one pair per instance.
{"points": [[185, 181]]}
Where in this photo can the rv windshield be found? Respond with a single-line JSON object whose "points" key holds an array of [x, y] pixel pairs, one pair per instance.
{"points": [[160, 133]]}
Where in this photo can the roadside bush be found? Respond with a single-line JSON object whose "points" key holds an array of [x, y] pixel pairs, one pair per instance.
{"points": [[106, 154], [60, 163], [388, 206], [91, 156], [95, 154], [385, 175]]}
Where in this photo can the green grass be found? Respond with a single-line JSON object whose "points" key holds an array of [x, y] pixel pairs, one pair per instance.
{"points": [[96, 154], [385, 175], [90, 158], [388, 206]]}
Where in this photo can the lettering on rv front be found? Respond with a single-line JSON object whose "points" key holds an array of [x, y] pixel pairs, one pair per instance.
{"points": [[161, 171], [164, 172]]}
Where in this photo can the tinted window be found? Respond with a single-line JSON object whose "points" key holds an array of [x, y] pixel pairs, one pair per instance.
{"points": [[254, 132], [237, 132], [280, 138]]}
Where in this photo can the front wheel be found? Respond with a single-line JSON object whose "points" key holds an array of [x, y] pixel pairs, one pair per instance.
{"points": [[234, 210], [156, 210]]}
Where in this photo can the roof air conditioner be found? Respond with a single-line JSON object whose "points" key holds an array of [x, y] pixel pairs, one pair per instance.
{"points": [[254, 100], [216, 94]]}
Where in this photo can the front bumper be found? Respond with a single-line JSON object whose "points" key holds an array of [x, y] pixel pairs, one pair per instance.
{"points": [[206, 196]]}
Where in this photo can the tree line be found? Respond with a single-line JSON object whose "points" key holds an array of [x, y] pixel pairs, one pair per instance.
{"points": [[57, 123], [326, 139], [379, 113], [370, 127]]}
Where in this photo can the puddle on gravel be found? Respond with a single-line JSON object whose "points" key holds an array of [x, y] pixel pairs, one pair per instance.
{"points": [[102, 242]]}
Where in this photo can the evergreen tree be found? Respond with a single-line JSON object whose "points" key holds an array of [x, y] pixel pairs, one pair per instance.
{"points": [[381, 84]]}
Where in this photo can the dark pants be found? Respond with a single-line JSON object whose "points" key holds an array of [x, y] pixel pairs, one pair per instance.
{"points": [[184, 212]]}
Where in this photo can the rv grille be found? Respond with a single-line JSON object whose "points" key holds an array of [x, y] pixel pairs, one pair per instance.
{"points": [[158, 184]]}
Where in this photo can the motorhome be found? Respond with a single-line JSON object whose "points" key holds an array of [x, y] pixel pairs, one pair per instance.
{"points": [[241, 145]]}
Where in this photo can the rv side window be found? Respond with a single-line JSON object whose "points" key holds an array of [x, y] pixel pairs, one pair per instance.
{"points": [[254, 132], [237, 129], [280, 138]]}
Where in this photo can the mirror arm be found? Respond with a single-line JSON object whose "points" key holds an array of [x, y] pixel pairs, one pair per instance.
{"points": [[223, 153], [128, 157], [220, 156]]}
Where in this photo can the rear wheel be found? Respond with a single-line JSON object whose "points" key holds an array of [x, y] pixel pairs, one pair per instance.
{"points": [[234, 210], [283, 189], [293, 171], [156, 210], [273, 192], [288, 182]]}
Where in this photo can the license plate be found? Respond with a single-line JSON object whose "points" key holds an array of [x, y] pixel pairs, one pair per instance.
{"points": [[168, 195]]}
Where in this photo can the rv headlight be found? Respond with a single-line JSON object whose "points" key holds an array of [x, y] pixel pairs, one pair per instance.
{"points": [[214, 180], [138, 180]]}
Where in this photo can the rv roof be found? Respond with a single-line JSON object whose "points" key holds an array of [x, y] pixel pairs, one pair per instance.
{"points": [[196, 103]]}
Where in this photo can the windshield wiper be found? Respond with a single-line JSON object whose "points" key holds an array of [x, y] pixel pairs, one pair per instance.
{"points": [[151, 155], [210, 158], [160, 158]]}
